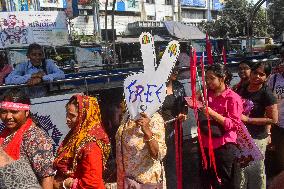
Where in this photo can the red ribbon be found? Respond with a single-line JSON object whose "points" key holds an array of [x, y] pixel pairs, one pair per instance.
{"points": [[178, 151], [210, 145], [209, 50]]}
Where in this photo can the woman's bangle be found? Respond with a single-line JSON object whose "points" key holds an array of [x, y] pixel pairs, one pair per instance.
{"points": [[63, 184], [152, 138], [269, 133]]}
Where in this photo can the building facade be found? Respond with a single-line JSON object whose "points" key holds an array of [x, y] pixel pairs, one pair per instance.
{"points": [[91, 17]]}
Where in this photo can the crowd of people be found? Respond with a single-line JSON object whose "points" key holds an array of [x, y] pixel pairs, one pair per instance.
{"points": [[148, 150]]}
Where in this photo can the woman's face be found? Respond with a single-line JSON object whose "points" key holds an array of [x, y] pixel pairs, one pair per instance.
{"points": [[258, 76], [244, 71], [13, 119], [213, 82], [71, 115], [36, 57]]}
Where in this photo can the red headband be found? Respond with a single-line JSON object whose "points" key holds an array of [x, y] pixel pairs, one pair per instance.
{"points": [[14, 106]]}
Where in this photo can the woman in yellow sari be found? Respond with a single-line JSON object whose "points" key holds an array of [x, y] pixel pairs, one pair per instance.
{"points": [[83, 153]]}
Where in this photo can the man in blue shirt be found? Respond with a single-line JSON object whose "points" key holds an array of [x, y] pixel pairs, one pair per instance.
{"points": [[36, 70]]}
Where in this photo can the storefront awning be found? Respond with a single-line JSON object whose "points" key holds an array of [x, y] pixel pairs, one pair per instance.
{"points": [[182, 31]]}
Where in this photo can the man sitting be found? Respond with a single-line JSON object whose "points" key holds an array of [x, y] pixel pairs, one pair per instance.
{"points": [[36, 70]]}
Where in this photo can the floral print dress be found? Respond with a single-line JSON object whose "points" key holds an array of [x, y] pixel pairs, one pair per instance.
{"points": [[36, 148], [137, 161]]}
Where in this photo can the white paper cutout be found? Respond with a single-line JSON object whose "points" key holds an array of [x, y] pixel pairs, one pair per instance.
{"points": [[146, 91]]}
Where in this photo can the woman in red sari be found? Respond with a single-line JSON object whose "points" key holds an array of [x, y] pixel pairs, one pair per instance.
{"points": [[83, 153]]}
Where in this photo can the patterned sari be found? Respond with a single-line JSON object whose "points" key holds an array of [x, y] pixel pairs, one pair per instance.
{"points": [[89, 130]]}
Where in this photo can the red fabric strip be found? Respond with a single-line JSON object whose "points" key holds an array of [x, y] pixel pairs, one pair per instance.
{"points": [[14, 146], [209, 50], [178, 155], [210, 145]]}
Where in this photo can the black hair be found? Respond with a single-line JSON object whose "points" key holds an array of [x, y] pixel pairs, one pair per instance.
{"points": [[33, 46], [221, 71], [266, 67], [3, 61], [73, 100], [16, 96], [247, 62]]}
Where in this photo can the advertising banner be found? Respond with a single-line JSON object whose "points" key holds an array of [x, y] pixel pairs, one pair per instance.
{"points": [[19, 29], [194, 3], [218, 4], [127, 5], [19, 5], [53, 3]]}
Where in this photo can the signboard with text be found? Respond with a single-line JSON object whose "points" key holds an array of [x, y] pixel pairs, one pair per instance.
{"points": [[194, 3], [19, 29], [53, 3], [146, 91]]}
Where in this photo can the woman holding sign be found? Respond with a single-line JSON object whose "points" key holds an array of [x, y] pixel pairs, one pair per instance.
{"points": [[84, 151], [140, 148]]}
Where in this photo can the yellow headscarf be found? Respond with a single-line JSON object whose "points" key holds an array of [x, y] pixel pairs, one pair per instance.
{"points": [[89, 129]]}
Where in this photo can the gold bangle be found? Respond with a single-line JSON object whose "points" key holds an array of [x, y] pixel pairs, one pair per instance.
{"points": [[152, 138], [63, 184]]}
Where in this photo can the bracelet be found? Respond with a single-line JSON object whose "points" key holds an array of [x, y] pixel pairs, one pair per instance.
{"points": [[152, 138], [269, 133], [63, 184]]}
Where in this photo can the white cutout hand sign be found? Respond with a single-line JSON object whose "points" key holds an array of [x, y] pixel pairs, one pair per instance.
{"points": [[146, 91]]}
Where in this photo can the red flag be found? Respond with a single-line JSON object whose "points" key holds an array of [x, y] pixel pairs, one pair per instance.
{"points": [[224, 55], [209, 50]]}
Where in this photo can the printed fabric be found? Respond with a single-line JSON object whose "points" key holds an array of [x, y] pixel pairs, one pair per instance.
{"points": [[84, 143], [36, 147], [137, 161]]}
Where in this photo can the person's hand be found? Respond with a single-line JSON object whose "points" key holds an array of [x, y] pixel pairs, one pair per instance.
{"points": [[39, 74], [182, 117], [244, 118], [143, 122], [57, 184], [270, 146], [34, 81], [68, 182], [204, 109]]}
